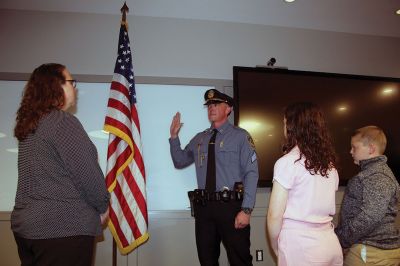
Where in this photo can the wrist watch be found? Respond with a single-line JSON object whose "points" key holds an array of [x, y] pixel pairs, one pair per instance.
{"points": [[247, 210]]}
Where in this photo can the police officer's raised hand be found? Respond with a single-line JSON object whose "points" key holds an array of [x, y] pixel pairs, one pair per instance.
{"points": [[175, 125]]}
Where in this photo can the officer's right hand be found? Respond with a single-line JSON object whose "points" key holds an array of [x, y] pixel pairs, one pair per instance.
{"points": [[175, 125]]}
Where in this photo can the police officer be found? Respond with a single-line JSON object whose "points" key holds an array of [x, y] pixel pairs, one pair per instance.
{"points": [[223, 154]]}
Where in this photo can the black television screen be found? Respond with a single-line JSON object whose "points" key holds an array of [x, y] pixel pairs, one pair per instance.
{"points": [[348, 101]]}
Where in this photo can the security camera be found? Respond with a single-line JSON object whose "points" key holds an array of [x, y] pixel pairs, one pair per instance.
{"points": [[271, 62]]}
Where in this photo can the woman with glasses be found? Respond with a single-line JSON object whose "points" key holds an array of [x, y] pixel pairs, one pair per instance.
{"points": [[61, 198]]}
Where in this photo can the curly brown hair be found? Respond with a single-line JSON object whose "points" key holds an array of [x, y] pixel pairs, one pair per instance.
{"points": [[306, 127], [42, 94]]}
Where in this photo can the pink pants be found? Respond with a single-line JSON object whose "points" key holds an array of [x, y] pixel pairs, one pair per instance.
{"points": [[306, 244]]}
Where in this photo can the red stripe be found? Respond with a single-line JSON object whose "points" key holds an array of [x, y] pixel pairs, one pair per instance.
{"points": [[118, 124], [123, 115], [140, 200], [137, 156], [127, 211], [116, 104], [121, 159], [115, 222], [112, 147], [115, 85], [135, 117]]}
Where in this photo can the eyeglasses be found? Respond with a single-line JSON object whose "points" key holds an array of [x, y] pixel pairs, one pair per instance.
{"points": [[73, 82]]}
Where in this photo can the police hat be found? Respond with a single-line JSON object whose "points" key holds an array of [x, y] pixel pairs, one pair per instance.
{"points": [[214, 96]]}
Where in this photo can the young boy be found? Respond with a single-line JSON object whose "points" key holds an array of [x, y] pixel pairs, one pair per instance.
{"points": [[370, 204]]}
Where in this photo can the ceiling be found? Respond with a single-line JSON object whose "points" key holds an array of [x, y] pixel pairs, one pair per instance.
{"points": [[370, 17]]}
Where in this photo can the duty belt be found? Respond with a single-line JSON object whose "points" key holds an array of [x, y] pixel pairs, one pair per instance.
{"points": [[202, 196]]}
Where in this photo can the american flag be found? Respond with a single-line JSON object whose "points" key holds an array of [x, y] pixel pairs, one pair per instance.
{"points": [[125, 178]]}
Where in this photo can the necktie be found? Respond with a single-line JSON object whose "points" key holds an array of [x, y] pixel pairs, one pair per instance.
{"points": [[211, 171]]}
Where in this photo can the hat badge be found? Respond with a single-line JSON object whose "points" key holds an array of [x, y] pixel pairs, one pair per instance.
{"points": [[210, 94]]}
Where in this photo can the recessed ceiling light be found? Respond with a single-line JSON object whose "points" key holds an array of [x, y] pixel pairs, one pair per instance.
{"points": [[13, 150], [398, 12], [289, 1], [387, 91], [98, 134], [342, 108]]}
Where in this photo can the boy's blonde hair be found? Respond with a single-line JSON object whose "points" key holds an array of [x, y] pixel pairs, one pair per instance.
{"points": [[372, 135]]}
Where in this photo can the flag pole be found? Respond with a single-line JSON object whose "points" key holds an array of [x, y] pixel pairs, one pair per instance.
{"points": [[124, 10], [126, 177]]}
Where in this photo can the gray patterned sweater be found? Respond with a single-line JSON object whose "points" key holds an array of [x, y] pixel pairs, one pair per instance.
{"points": [[369, 207], [61, 189]]}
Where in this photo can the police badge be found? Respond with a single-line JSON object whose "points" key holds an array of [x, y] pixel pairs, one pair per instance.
{"points": [[210, 94]]}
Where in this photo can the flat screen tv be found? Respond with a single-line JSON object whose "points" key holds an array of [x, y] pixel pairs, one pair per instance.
{"points": [[348, 101]]}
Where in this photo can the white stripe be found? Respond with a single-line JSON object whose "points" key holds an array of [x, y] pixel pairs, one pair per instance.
{"points": [[120, 116], [113, 158], [119, 96], [135, 210], [136, 136], [139, 181], [119, 149], [121, 79], [137, 175], [139, 178], [122, 222], [133, 206]]}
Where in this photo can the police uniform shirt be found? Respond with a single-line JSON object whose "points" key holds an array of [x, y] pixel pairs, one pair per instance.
{"points": [[235, 156]]}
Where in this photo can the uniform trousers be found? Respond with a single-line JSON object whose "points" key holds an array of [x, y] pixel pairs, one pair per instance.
{"points": [[65, 251], [305, 244], [360, 254], [215, 222]]}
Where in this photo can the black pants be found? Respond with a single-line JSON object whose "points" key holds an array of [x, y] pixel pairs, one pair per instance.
{"points": [[66, 251], [215, 222]]}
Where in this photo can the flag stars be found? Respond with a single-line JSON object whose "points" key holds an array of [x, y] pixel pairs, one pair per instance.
{"points": [[121, 46], [122, 67], [131, 76]]}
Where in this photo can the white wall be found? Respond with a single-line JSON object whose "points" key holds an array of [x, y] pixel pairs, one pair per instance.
{"points": [[156, 106], [87, 43], [167, 47]]}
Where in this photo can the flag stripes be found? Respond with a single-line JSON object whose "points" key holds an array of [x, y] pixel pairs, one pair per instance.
{"points": [[125, 174]]}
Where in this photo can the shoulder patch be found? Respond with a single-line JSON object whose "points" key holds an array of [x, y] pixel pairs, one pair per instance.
{"points": [[254, 157], [251, 142]]}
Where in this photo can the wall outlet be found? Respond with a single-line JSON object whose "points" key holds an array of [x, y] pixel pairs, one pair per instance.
{"points": [[259, 255]]}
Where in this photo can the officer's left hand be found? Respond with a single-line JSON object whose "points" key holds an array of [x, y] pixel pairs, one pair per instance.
{"points": [[242, 220]]}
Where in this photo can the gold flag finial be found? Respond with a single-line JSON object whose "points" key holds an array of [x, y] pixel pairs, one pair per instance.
{"points": [[124, 10]]}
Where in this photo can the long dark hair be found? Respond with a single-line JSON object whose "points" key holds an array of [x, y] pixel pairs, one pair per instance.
{"points": [[42, 94], [306, 127]]}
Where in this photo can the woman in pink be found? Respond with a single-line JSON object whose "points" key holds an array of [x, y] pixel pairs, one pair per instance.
{"points": [[302, 201]]}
